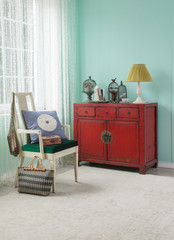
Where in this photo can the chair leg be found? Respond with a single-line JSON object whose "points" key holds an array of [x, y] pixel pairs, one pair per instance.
{"points": [[53, 167], [75, 157], [20, 163]]}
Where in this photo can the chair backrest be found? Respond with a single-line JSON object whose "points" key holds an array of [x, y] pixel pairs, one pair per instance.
{"points": [[23, 101]]}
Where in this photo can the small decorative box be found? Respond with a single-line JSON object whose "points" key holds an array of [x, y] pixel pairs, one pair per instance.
{"points": [[50, 140]]}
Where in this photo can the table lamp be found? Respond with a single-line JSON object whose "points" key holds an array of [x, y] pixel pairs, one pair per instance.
{"points": [[139, 73]]}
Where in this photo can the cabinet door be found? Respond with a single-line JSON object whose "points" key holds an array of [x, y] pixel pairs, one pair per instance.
{"points": [[89, 139], [125, 144]]}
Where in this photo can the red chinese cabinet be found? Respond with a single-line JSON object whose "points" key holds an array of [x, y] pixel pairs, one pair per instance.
{"points": [[117, 134]]}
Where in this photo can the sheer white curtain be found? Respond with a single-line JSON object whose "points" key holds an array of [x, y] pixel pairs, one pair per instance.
{"points": [[59, 56], [38, 54]]}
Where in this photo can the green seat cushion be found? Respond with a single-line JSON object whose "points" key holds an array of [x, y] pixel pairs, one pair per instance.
{"points": [[50, 148]]}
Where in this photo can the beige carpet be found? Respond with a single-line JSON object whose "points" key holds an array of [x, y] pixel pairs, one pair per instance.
{"points": [[108, 203]]}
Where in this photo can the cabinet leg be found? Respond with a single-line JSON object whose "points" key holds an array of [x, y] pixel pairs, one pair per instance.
{"points": [[142, 170], [155, 165]]}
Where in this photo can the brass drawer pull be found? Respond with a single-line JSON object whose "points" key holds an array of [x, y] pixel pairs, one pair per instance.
{"points": [[106, 137], [128, 112], [106, 112], [86, 111]]}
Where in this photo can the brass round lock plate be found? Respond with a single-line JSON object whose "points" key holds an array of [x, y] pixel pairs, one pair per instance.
{"points": [[106, 137]]}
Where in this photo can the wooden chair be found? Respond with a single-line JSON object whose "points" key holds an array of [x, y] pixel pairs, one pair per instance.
{"points": [[24, 101]]}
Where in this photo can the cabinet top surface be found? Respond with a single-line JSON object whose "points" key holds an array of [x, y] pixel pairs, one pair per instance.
{"points": [[114, 104]]}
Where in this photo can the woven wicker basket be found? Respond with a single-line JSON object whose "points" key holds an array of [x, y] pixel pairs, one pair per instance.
{"points": [[35, 180]]}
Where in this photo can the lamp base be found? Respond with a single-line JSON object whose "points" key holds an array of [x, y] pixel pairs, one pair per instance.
{"points": [[139, 100]]}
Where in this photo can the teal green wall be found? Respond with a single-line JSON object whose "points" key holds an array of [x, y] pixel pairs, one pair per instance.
{"points": [[172, 85], [113, 35]]}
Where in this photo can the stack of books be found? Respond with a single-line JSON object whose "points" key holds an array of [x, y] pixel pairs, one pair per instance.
{"points": [[100, 94], [50, 140]]}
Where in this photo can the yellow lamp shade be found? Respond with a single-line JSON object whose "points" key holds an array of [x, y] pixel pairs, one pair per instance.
{"points": [[139, 73]]}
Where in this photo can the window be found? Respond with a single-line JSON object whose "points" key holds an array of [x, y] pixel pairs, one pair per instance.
{"points": [[17, 48], [37, 54]]}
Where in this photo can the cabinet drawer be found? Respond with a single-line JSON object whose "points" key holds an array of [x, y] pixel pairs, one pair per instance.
{"points": [[128, 112], [86, 111], [106, 112]]}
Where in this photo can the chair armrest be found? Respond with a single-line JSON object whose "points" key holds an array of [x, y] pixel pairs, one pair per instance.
{"points": [[26, 131], [67, 126]]}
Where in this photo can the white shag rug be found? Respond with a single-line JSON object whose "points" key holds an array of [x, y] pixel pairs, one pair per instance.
{"points": [[108, 203]]}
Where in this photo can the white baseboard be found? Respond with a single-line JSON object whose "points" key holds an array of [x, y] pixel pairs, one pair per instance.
{"points": [[165, 165]]}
